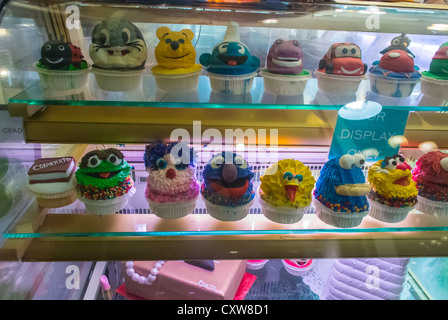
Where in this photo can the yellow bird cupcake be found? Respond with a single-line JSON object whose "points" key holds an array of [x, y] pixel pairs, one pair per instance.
{"points": [[394, 193], [285, 191]]}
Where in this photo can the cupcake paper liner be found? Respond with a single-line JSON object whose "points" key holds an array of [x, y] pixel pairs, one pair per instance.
{"points": [[338, 219], [431, 207], [172, 210], [434, 87], [336, 84], [233, 84], [281, 214], [177, 83], [392, 87], [57, 202], [388, 214], [62, 79], [109, 206], [256, 264], [115, 80], [297, 271], [284, 84], [225, 213]]}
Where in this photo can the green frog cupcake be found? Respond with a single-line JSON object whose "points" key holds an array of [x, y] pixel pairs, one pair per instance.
{"points": [[104, 181]]}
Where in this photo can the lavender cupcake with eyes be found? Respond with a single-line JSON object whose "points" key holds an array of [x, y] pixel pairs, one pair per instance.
{"points": [[172, 188]]}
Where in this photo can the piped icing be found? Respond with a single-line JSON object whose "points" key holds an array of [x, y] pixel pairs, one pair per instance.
{"points": [[103, 174], [341, 185], [172, 172], [231, 56], [228, 180], [287, 183], [175, 53], [431, 176], [392, 184], [60, 55]]}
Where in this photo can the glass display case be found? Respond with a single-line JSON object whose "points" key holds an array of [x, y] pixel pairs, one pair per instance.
{"points": [[347, 98]]}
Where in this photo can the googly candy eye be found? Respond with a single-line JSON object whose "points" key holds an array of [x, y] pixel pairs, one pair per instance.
{"points": [[359, 160], [217, 162], [298, 178], [347, 162], [444, 163], [161, 163], [94, 161], [113, 159], [240, 162], [288, 177]]}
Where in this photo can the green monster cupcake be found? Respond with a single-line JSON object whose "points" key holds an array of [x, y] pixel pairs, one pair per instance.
{"points": [[435, 81], [104, 181]]}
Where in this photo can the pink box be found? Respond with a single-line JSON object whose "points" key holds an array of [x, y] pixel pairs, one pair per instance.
{"points": [[178, 280]]}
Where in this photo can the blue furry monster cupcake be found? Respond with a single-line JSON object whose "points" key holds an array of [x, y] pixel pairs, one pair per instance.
{"points": [[227, 189], [340, 194]]}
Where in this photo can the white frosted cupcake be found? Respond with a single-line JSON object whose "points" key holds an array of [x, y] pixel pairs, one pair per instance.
{"points": [[227, 189], [119, 53], [285, 191], [172, 188]]}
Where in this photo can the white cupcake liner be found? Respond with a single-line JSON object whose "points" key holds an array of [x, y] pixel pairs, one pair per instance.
{"points": [[338, 219], [225, 213], [177, 83], [284, 84], [231, 84], [116, 80], [392, 87], [172, 210], [252, 265], [431, 207], [109, 206], [434, 87], [62, 79], [337, 84], [283, 215], [297, 271], [388, 214]]}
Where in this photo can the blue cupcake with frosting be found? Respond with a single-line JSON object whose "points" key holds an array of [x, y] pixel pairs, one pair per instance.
{"points": [[227, 189], [340, 194]]}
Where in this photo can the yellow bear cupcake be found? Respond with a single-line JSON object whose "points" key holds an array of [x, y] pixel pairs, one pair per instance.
{"points": [[176, 70], [285, 191]]}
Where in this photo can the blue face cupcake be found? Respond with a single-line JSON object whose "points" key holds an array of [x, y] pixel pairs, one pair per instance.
{"points": [[340, 194], [228, 187]]}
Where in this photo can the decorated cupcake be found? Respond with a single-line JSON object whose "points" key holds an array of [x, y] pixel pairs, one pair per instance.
{"points": [[298, 267], [119, 53], [341, 70], [285, 191], [284, 74], [395, 74], [431, 176], [62, 66], [172, 188], [52, 182], [231, 67], [393, 193], [176, 70], [104, 181], [227, 189], [435, 81], [340, 194]]}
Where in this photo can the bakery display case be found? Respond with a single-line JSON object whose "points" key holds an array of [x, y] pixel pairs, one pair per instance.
{"points": [[142, 132]]}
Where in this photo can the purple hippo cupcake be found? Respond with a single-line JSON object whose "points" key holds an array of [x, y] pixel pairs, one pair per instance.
{"points": [[284, 74]]}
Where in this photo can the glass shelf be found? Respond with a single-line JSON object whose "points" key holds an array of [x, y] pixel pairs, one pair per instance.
{"points": [[147, 95]]}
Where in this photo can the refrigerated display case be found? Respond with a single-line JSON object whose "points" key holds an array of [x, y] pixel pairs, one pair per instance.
{"points": [[42, 119]]}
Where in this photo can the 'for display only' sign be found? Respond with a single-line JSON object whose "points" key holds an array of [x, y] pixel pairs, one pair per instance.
{"points": [[376, 137]]}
